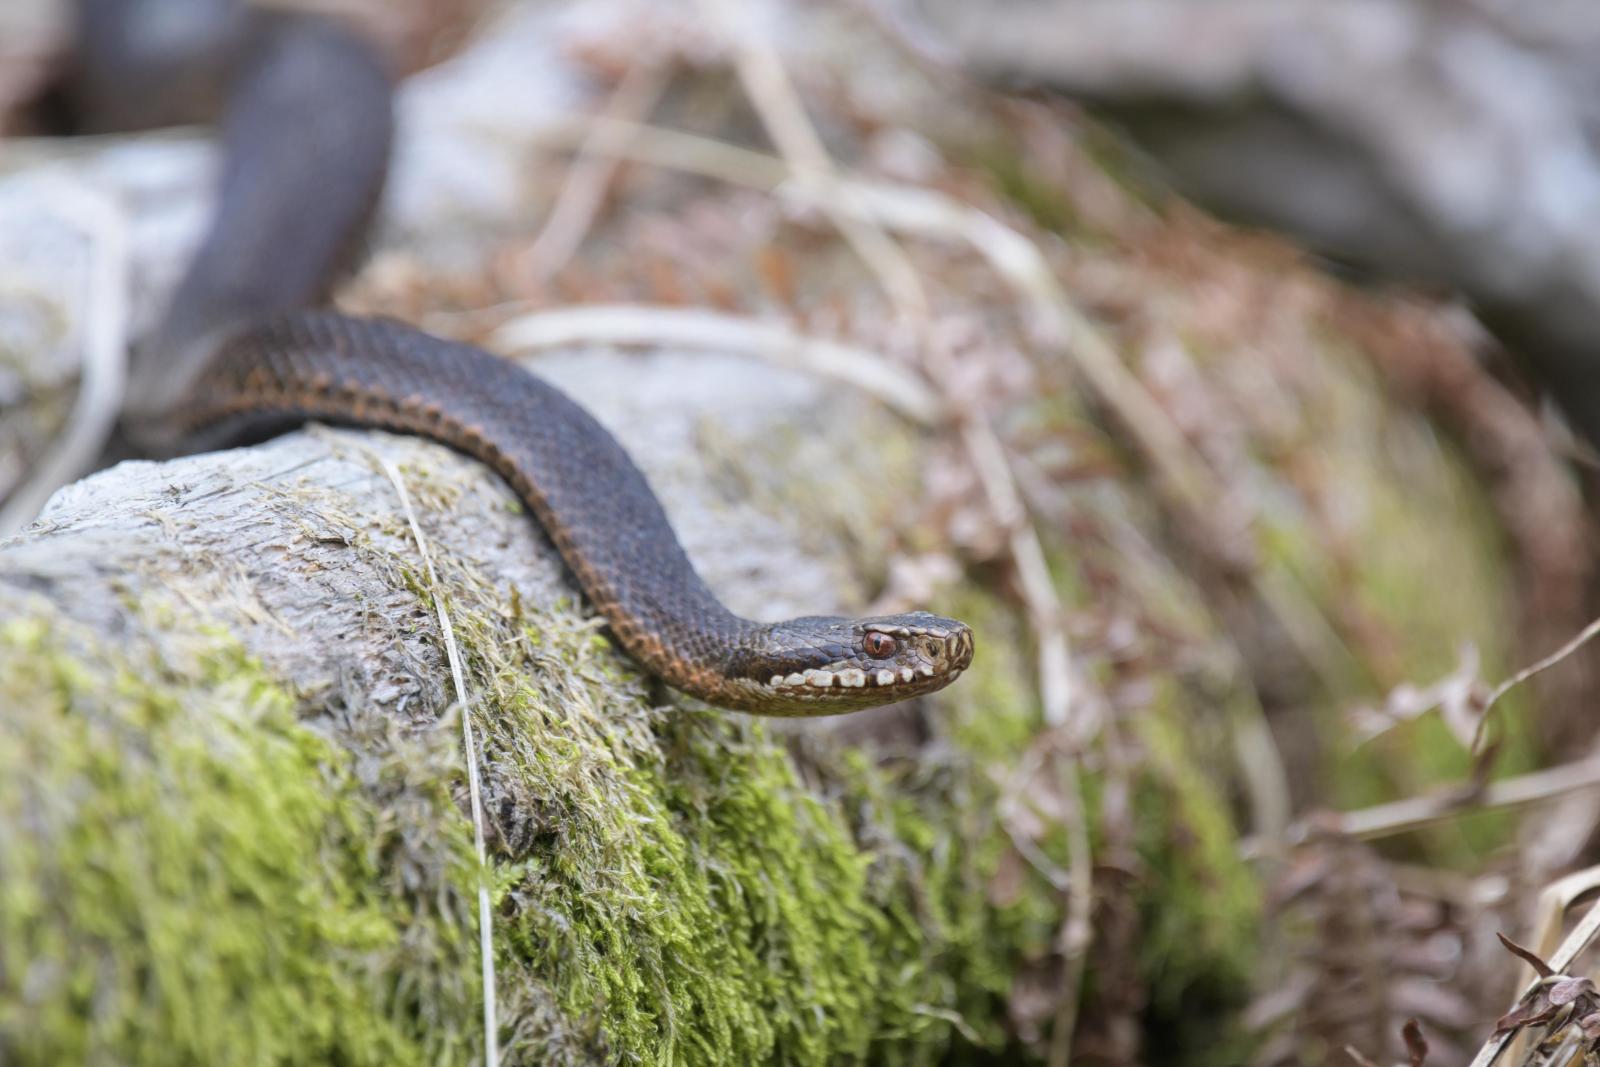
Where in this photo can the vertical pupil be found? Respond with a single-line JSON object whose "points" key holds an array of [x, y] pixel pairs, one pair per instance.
{"points": [[879, 645]]}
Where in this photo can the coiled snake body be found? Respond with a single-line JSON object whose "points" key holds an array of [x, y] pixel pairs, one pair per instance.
{"points": [[241, 354]]}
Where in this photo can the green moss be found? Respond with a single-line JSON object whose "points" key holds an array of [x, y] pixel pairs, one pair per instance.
{"points": [[184, 877], [700, 896], [230, 872], [193, 874], [1200, 913]]}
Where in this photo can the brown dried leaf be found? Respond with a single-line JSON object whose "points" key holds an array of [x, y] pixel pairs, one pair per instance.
{"points": [[1416, 1044], [1540, 967], [1536, 1010], [1569, 989]]}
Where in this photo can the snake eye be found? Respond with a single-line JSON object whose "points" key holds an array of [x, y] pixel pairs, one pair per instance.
{"points": [[878, 646]]}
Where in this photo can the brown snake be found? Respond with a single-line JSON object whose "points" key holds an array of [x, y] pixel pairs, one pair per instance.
{"points": [[243, 353]]}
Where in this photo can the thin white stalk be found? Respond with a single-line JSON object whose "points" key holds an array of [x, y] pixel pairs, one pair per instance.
{"points": [[491, 1028], [646, 325]]}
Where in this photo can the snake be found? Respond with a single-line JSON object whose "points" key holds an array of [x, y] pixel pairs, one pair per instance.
{"points": [[247, 349]]}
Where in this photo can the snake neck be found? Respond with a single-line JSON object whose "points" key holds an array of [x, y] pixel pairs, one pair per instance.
{"points": [[696, 650]]}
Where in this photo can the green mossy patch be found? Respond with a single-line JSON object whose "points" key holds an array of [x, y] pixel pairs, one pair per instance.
{"points": [[695, 890], [196, 874], [202, 865], [185, 875], [1199, 918]]}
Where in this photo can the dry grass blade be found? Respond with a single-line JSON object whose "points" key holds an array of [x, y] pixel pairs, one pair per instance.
{"points": [[491, 1026], [1045, 611], [590, 174], [1582, 638], [1069, 719], [1077, 932], [766, 82], [668, 149], [1045, 614], [643, 325], [104, 376], [1386, 820], [1554, 902]]}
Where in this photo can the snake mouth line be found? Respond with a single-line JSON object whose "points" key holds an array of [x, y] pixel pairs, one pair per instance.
{"points": [[853, 678], [925, 658]]}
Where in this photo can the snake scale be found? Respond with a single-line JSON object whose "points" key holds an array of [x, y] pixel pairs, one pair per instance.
{"points": [[244, 352]]}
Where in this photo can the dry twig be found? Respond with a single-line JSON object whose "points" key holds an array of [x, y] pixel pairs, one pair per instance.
{"points": [[1463, 699], [1582, 638], [1077, 931], [643, 325], [1413, 813], [676, 150]]}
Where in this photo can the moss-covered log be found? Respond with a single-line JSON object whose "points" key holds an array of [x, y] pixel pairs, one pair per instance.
{"points": [[230, 792]]}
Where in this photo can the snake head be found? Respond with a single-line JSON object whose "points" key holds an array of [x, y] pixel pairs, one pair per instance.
{"points": [[824, 665]]}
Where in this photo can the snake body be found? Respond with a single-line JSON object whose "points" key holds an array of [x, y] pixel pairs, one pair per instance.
{"points": [[242, 354]]}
